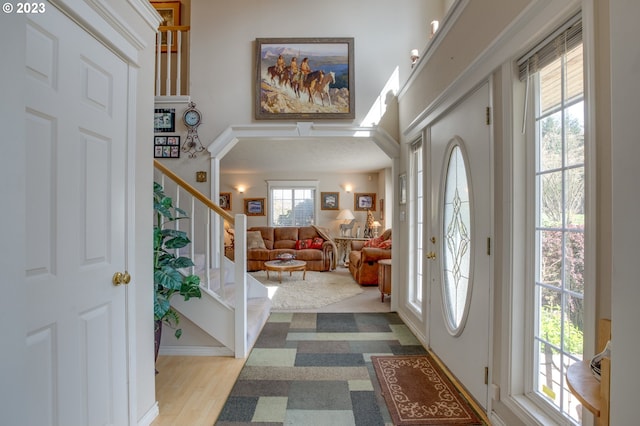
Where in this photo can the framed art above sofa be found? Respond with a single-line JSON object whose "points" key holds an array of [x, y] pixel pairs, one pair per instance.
{"points": [[364, 201], [254, 206], [330, 200]]}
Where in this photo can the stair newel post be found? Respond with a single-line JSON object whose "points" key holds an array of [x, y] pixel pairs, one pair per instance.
{"points": [[240, 275]]}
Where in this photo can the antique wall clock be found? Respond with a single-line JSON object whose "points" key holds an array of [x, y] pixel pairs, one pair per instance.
{"points": [[192, 119]]}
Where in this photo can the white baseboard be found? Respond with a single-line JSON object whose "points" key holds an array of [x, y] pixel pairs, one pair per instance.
{"points": [[150, 415], [496, 420], [195, 351]]}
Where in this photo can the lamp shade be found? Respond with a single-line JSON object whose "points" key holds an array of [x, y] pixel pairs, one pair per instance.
{"points": [[345, 214], [376, 224]]}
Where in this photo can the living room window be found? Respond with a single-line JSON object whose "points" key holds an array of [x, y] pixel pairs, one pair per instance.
{"points": [[292, 203], [556, 281]]}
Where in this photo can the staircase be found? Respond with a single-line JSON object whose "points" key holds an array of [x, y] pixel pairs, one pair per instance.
{"points": [[234, 306]]}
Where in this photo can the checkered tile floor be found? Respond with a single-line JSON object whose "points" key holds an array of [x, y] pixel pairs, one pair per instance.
{"points": [[315, 369]]}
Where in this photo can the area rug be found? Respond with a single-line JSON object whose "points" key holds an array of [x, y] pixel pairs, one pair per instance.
{"points": [[316, 290], [417, 392], [312, 369]]}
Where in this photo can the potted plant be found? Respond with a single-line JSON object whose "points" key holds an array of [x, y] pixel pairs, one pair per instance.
{"points": [[168, 268]]}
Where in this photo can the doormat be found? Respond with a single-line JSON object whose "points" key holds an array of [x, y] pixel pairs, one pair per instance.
{"points": [[418, 392]]}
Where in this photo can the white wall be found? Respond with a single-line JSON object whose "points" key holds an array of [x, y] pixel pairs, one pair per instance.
{"points": [[222, 59], [625, 92]]}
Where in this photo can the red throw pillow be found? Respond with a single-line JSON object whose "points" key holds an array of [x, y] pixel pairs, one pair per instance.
{"points": [[317, 243], [303, 244], [386, 244], [374, 242]]}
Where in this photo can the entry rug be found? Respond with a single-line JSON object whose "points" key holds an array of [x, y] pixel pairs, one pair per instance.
{"points": [[417, 392]]}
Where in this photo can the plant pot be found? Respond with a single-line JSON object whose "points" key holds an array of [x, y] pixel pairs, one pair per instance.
{"points": [[157, 336]]}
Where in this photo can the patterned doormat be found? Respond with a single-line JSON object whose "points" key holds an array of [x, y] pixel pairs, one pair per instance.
{"points": [[418, 392]]}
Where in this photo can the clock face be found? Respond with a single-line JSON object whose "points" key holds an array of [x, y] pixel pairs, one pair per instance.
{"points": [[192, 118]]}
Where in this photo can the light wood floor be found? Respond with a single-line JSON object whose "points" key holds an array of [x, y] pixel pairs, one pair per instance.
{"points": [[191, 390]]}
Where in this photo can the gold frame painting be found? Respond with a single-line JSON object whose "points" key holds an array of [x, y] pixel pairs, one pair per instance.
{"points": [[254, 206], [170, 13], [324, 90], [364, 201], [330, 201]]}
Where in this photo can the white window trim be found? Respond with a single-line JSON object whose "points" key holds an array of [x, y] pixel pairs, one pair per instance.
{"points": [[302, 184]]}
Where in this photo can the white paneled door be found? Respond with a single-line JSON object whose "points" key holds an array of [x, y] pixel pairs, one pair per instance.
{"points": [[75, 117], [457, 247]]}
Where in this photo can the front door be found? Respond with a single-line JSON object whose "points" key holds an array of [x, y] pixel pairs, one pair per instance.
{"points": [[459, 265], [76, 136]]}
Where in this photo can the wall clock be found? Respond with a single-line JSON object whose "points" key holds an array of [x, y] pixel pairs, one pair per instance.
{"points": [[192, 118]]}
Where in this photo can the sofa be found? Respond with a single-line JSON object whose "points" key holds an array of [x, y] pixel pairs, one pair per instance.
{"points": [[364, 256], [309, 243]]}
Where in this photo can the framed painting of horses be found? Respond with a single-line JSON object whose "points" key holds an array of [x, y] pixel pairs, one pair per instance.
{"points": [[304, 78]]}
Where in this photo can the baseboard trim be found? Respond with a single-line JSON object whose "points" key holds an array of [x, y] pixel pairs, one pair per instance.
{"points": [[150, 415], [195, 351], [496, 420]]}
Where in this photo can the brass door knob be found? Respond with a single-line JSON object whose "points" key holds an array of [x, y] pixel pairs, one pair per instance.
{"points": [[120, 278]]}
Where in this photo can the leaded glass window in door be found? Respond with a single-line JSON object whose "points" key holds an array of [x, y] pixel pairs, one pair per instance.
{"points": [[456, 241]]}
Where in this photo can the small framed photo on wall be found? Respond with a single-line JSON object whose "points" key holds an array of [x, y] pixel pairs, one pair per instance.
{"points": [[329, 200], [254, 206], [402, 189], [166, 147], [364, 201], [225, 200], [164, 120]]}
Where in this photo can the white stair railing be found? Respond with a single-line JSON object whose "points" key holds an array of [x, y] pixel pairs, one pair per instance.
{"points": [[214, 270], [170, 58]]}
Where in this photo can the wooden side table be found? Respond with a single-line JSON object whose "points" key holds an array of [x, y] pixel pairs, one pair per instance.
{"points": [[384, 278]]}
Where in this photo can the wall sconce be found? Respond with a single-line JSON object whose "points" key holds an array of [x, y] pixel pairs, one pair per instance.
{"points": [[414, 57], [348, 187], [434, 27], [241, 189]]}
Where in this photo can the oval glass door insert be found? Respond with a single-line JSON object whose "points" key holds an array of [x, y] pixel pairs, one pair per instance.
{"points": [[456, 258]]}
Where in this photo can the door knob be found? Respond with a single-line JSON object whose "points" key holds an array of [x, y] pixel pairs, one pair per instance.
{"points": [[431, 255], [120, 278]]}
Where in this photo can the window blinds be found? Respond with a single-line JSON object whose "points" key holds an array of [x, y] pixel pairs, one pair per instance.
{"points": [[568, 36]]}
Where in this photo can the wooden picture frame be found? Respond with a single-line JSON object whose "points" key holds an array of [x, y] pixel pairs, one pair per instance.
{"points": [[402, 189], [364, 201], [166, 146], [170, 13], [329, 200], [254, 206], [225, 201], [164, 120], [331, 75]]}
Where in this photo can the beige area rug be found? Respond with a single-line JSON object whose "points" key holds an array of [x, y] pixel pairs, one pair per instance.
{"points": [[316, 290]]}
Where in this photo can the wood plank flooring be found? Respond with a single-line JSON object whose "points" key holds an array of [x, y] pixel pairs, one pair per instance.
{"points": [[192, 390]]}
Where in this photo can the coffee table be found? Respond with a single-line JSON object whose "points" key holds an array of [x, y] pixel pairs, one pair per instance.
{"points": [[284, 266]]}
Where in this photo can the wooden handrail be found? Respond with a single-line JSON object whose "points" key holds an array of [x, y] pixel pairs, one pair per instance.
{"points": [[194, 192], [183, 28]]}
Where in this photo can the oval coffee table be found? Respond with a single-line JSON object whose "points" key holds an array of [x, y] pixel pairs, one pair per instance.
{"points": [[284, 266]]}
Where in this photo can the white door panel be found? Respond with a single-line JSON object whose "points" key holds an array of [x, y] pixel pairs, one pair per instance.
{"points": [[76, 127], [464, 350]]}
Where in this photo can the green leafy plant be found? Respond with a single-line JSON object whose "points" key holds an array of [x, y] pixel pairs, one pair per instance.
{"points": [[167, 275]]}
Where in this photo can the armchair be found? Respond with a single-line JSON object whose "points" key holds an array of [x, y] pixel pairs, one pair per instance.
{"points": [[364, 256]]}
